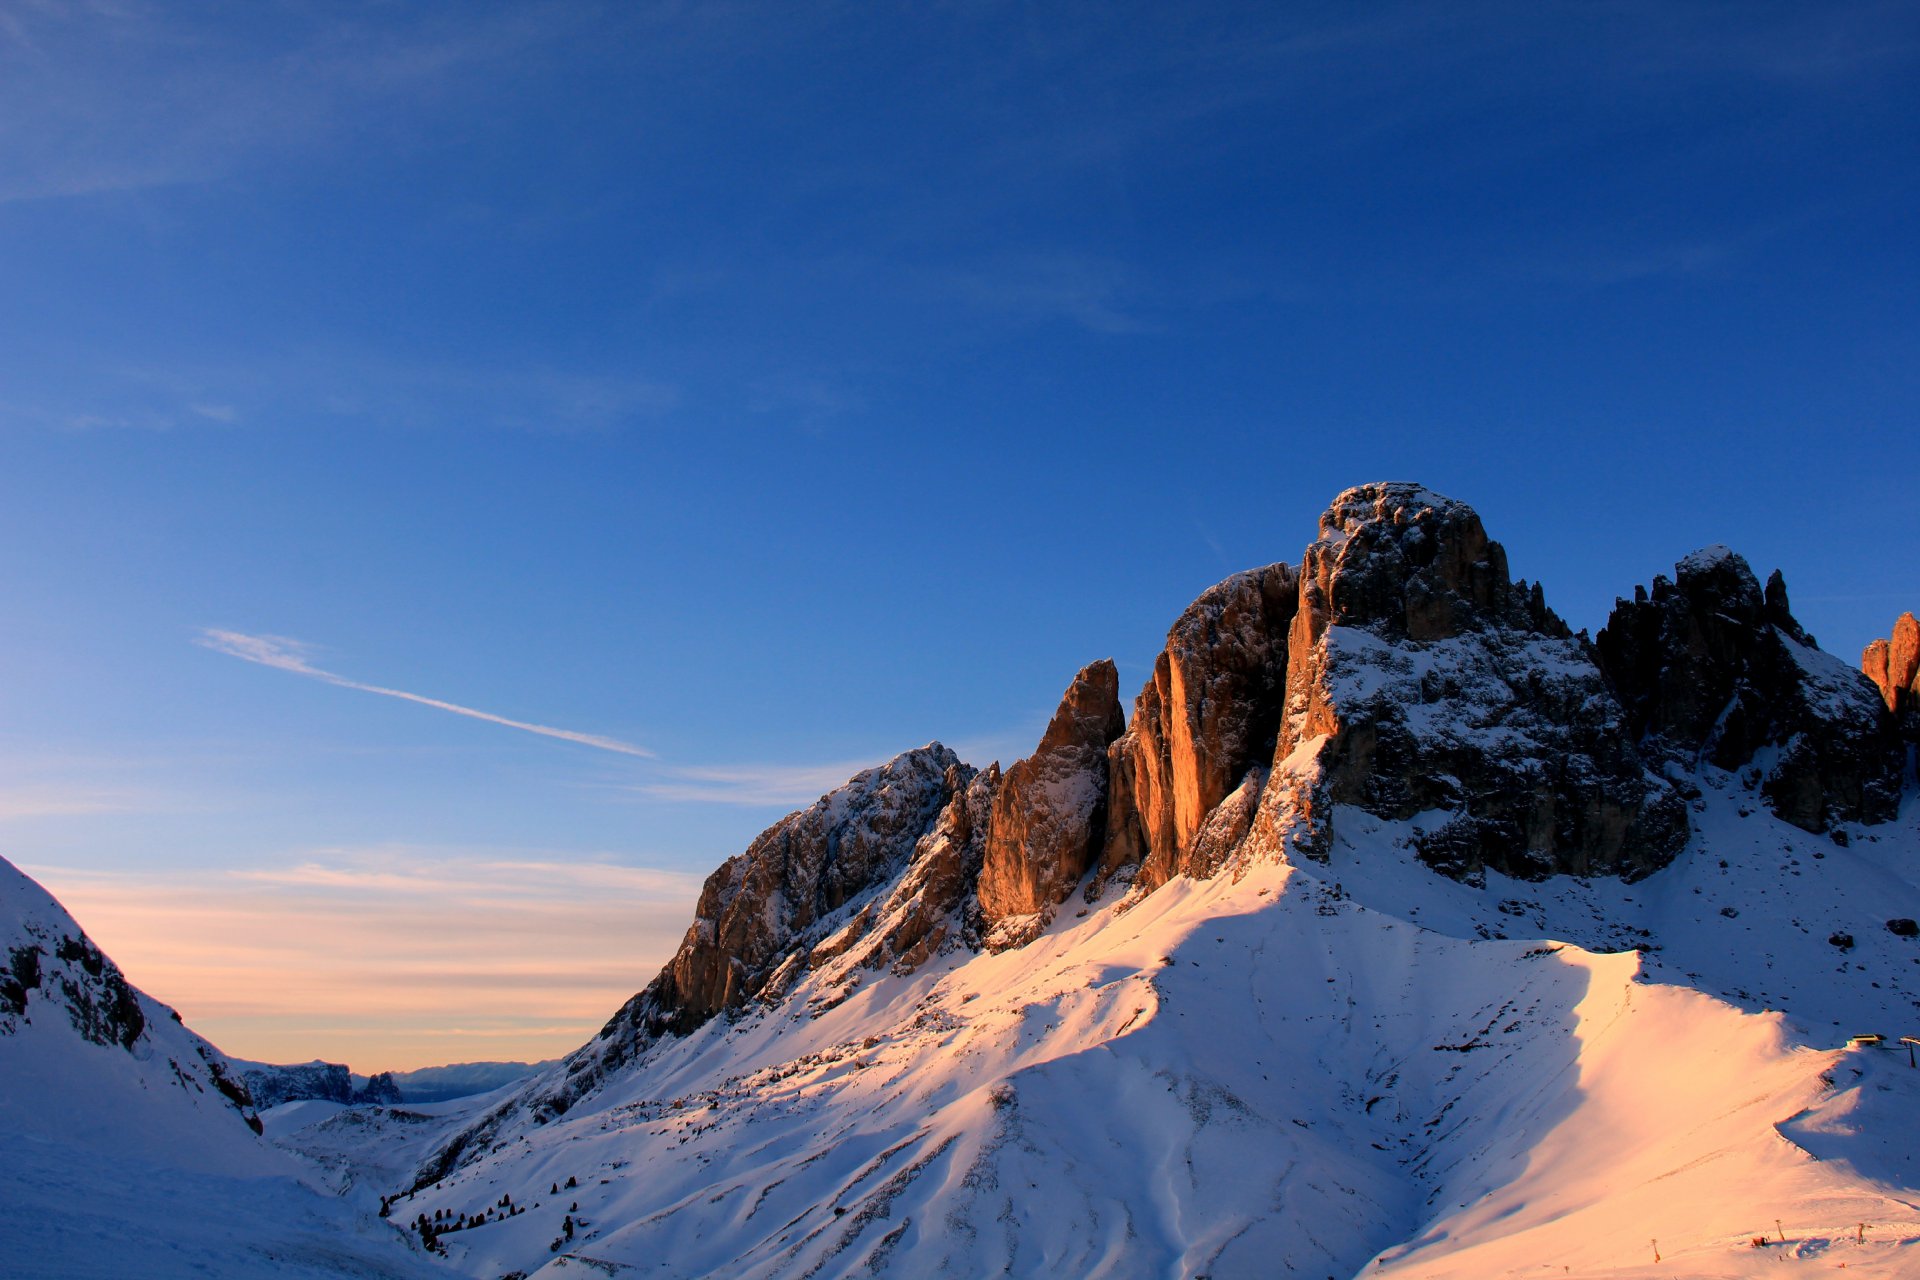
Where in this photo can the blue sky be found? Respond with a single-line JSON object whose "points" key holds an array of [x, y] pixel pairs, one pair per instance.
{"points": [[771, 388]]}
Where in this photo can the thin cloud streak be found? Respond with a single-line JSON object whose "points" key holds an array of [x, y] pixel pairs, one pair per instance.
{"points": [[283, 654]]}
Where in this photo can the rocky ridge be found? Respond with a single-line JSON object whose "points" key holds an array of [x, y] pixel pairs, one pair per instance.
{"points": [[1399, 673]]}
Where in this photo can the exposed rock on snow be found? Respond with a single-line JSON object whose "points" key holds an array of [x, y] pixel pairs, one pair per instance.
{"points": [[131, 1144], [1712, 669], [1422, 683], [779, 896], [811, 876], [1049, 814]]}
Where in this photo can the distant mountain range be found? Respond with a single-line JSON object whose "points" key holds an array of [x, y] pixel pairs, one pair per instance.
{"points": [[272, 1084]]}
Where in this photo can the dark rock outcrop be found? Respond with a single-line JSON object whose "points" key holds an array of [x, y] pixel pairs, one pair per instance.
{"points": [[1049, 814], [810, 883], [1209, 714], [1713, 669], [272, 1084], [1423, 684], [379, 1089]]}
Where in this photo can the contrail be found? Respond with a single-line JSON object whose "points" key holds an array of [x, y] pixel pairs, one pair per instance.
{"points": [[284, 654]]}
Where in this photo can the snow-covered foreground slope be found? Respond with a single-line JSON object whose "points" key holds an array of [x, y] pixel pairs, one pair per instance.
{"points": [[127, 1148], [1271, 1076]]}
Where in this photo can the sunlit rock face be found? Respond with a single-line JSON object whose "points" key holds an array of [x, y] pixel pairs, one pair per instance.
{"points": [[762, 905], [1208, 715], [1049, 815], [1894, 667], [1713, 669], [814, 876], [1424, 684]]}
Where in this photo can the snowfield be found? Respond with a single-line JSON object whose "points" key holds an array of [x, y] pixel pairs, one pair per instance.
{"points": [[1283, 1074], [1354, 1068]]}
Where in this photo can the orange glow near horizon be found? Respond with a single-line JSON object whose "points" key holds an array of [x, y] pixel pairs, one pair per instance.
{"points": [[387, 959]]}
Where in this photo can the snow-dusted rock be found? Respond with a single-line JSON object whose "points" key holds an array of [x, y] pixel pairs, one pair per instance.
{"points": [[1423, 684], [763, 905], [1712, 669], [761, 915]]}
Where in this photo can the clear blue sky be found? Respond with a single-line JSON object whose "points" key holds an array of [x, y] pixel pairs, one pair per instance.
{"points": [[775, 387]]}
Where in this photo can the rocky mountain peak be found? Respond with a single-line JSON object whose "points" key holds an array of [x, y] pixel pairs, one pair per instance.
{"points": [[1403, 561], [1209, 714], [1712, 668], [1049, 815], [1425, 687]]}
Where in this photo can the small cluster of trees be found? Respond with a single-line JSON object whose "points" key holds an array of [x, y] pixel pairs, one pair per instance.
{"points": [[431, 1229]]}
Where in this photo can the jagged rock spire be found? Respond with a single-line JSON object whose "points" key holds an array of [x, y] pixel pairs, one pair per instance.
{"points": [[1210, 713], [1050, 814], [1894, 666]]}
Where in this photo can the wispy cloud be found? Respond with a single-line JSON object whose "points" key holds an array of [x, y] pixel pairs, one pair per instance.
{"points": [[283, 654], [378, 956], [59, 801]]}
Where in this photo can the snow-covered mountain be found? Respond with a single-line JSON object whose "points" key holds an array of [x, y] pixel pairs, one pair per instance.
{"points": [[131, 1148], [1399, 931]]}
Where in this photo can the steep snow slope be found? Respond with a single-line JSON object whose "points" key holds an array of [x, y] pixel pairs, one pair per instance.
{"points": [[1251, 1078], [128, 1148]]}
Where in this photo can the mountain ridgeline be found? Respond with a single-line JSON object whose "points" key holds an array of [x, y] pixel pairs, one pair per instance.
{"points": [[1397, 672]]}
